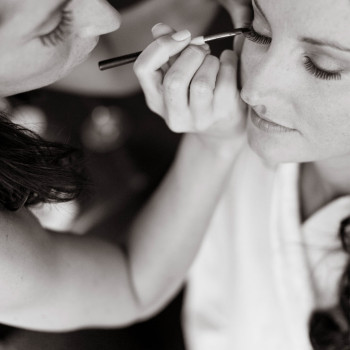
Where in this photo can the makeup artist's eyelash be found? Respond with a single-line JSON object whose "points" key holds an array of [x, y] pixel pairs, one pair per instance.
{"points": [[320, 73], [309, 65], [58, 34], [257, 38]]}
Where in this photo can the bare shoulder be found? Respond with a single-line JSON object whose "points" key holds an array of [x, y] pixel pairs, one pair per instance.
{"points": [[14, 221]]}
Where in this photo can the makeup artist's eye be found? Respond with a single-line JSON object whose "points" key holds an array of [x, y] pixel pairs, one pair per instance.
{"points": [[320, 73], [62, 29], [257, 38]]}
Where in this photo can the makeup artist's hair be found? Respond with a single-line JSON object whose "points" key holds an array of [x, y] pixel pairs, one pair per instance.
{"points": [[330, 329], [33, 170]]}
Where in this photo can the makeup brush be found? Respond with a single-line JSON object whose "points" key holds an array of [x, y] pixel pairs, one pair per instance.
{"points": [[200, 40]]}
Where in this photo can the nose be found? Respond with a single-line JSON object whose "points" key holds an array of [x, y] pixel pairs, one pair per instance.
{"points": [[96, 17], [264, 79]]}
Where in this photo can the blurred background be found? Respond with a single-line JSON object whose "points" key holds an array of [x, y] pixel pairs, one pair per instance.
{"points": [[127, 151]]}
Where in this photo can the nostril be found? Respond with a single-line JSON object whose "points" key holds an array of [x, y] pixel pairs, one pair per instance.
{"points": [[244, 97], [260, 109]]}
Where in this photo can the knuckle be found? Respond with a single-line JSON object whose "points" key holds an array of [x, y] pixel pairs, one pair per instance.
{"points": [[202, 126], [194, 50], [212, 60], [161, 41], [201, 86], [175, 126], [154, 107], [138, 68], [173, 81]]}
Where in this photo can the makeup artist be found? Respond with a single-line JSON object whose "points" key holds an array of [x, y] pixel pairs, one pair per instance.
{"points": [[54, 281]]}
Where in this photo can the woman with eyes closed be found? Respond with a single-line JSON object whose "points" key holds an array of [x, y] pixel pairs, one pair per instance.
{"points": [[273, 271], [52, 281]]}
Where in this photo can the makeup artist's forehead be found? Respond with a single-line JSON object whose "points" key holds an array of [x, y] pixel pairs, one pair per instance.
{"points": [[311, 18]]}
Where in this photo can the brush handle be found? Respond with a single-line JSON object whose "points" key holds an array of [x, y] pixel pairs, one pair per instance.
{"points": [[131, 57], [118, 61]]}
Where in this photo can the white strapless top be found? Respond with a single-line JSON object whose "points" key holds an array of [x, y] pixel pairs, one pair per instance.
{"points": [[260, 271]]}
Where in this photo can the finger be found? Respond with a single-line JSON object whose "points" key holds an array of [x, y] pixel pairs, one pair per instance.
{"points": [[161, 29], [151, 60], [158, 31], [226, 95], [242, 15], [177, 80], [202, 92]]}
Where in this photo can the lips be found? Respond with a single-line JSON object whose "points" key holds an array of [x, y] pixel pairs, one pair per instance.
{"points": [[266, 124]]}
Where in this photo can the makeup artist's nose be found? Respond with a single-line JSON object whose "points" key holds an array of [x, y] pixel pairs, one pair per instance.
{"points": [[97, 17]]}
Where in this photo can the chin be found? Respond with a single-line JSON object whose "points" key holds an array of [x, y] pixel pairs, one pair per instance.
{"points": [[81, 53], [275, 149]]}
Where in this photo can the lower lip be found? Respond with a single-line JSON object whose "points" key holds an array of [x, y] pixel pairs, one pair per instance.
{"points": [[267, 126]]}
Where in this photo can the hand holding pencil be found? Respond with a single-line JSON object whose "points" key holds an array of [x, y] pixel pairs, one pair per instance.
{"points": [[201, 40], [192, 90]]}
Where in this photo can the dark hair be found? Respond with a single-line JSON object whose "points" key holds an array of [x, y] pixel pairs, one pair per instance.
{"points": [[33, 170], [330, 329]]}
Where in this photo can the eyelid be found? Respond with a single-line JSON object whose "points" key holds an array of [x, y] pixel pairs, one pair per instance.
{"points": [[320, 73], [309, 58], [58, 33], [258, 38], [50, 19]]}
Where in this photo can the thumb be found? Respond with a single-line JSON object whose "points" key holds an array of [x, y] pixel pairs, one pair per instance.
{"points": [[161, 29]]}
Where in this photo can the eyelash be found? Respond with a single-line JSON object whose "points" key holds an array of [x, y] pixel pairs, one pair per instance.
{"points": [[252, 35], [320, 73], [308, 63], [58, 34]]}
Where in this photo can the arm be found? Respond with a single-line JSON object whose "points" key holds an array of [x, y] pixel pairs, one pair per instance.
{"points": [[59, 282]]}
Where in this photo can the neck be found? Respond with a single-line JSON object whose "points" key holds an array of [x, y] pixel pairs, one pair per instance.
{"points": [[322, 182]]}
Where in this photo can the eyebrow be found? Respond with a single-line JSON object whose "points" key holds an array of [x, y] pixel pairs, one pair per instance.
{"points": [[321, 42]]}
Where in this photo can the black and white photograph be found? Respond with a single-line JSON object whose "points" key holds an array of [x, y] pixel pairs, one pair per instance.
{"points": [[174, 174]]}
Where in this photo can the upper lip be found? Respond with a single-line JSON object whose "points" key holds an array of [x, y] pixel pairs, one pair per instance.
{"points": [[269, 120]]}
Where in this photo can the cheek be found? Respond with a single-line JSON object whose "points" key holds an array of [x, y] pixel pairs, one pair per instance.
{"points": [[250, 58], [324, 120], [34, 66], [329, 120]]}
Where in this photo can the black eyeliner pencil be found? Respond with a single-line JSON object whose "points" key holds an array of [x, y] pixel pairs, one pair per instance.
{"points": [[131, 57]]}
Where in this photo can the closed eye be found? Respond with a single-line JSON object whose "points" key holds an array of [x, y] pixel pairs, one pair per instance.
{"points": [[59, 33]]}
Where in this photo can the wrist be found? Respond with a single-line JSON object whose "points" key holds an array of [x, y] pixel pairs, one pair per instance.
{"points": [[225, 149]]}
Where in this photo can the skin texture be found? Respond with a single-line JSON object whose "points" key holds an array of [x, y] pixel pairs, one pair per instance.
{"points": [[278, 86], [28, 64]]}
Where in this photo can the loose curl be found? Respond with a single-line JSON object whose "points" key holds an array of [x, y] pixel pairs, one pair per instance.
{"points": [[330, 329], [33, 170]]}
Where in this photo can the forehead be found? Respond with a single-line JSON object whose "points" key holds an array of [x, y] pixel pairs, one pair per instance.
{"points": [[316, 18]]}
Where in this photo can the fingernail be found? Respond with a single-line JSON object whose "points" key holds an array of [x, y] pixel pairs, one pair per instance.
{"points": [[156, 25], [181, 35], [206, 47]]}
